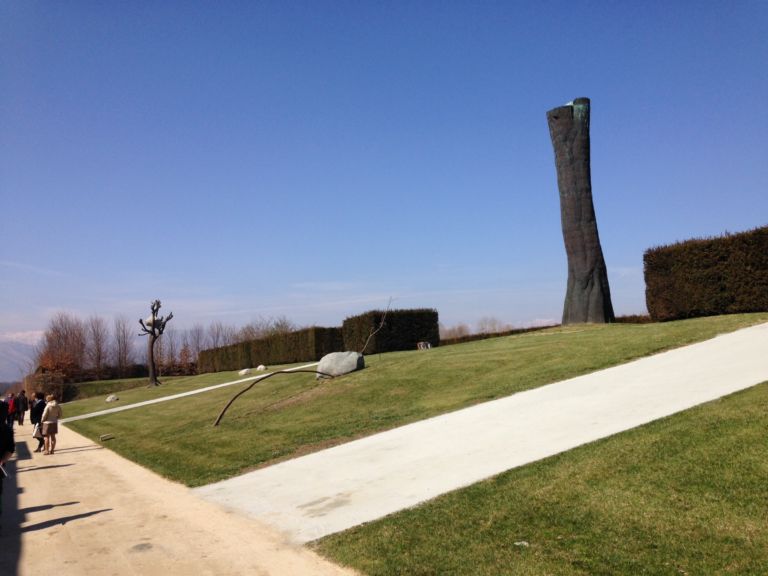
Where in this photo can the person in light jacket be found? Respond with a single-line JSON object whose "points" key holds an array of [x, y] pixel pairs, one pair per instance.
{"points": [[50, 418]]}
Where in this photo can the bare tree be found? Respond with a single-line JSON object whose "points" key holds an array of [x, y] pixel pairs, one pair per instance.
{"points": [[186, 359], [63, 345], [491, 325], [153, 327], [216, 334], [122, 349], [228, 335], [171, 346], [262, 328], [254, 330], [197, 341], [97, 343], [161, 356], [281, 325], [458, 331], [220, 334]]}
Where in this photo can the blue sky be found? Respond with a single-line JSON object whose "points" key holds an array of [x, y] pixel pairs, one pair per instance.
{"points": [[313, 159]]}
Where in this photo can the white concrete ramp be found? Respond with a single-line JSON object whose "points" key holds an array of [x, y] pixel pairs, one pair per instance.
{"points": [[338, 488]]}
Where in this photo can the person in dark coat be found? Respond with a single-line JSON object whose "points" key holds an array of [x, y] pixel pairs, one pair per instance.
{"points": [[22, 405], [7, 445], [35, 416]]}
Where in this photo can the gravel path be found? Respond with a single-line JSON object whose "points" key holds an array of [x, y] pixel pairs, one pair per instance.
{"points": [[85, 511]]}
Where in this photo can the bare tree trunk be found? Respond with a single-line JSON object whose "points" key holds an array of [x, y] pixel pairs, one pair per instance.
{"points": [[170, 347], [153, 327], [588, 296], [153, 381], [123, 345], [98, 335], [196, 340]]}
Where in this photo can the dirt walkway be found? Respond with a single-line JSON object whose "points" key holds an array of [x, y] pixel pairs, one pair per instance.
{"points": [[86, 511]]}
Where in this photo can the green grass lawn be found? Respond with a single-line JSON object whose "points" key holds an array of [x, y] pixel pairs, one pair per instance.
{"points": [[684, 495], [136, 389], [294, 414], [104, 387]]}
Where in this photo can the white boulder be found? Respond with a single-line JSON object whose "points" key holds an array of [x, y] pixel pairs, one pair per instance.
{"points": [[244, 371], [339, 363]]}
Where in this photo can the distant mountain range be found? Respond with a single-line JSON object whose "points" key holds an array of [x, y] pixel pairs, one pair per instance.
{"points": [[15, 360]]}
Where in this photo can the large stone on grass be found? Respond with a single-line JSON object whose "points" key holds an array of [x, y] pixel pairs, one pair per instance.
{"points": [[339, 363]]}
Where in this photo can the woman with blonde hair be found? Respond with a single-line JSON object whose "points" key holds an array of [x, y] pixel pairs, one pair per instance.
{"points": [[50, 419]]}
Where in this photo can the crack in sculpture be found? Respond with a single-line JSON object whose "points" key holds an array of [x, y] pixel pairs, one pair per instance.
{"points": [[588, 296]]}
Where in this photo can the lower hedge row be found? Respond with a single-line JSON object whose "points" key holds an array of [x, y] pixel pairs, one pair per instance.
{"points": [[373, 332], [300, 346]]}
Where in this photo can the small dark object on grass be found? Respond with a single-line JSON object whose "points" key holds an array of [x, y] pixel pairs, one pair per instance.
{"points": [[106, 437]]}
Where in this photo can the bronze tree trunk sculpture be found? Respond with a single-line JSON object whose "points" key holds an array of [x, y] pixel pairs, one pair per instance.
{"points": [[588, 296], [154, 326]]}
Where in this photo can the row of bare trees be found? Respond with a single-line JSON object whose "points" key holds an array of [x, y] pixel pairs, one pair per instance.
{"points": [[74, 346], [486, 325], [71, 345]]}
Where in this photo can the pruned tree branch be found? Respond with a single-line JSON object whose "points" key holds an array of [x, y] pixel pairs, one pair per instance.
{"points": [[376, 331], [261, 379]]}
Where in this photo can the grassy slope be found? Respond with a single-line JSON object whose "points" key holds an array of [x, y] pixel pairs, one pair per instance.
{"points": [[138, 391], [104, 387], [292, 414], [682, 495]]}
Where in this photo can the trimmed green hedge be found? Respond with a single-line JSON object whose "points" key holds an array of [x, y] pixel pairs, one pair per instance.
{"points": [[301, 346], [402, 330], [725, 275]]}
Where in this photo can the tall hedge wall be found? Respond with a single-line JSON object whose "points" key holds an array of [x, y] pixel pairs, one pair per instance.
{"points": [[401, 331], [300, 346], [723, 275]]}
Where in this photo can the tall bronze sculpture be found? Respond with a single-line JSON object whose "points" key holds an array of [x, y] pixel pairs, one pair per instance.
{"points": [[588, 297], [154, 326]]}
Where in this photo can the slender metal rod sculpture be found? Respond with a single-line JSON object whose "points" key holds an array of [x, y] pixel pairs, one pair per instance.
{"points": [[588, 296]]}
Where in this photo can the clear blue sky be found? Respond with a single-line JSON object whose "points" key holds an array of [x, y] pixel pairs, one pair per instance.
{"points": [[313, 159]]}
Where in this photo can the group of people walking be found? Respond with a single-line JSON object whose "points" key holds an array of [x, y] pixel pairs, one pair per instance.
{"points": [[17, 404], [44, 414]]}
